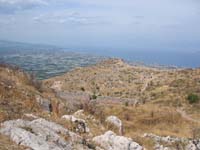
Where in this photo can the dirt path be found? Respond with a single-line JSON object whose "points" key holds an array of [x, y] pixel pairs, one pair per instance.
{"points": [[186, 116], [146, 84]]}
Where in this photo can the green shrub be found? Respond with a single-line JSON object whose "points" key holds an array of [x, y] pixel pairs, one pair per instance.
{"points": [[193, 98], [94, 96], [126, 103]]}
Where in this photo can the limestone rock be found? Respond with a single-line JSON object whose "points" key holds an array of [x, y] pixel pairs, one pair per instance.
{"points": [[110, 141], [81, 125], [166, 139], [115, 121], [193, 145], [184, 143], [39, 134], [31, 116], [44, 103], [161, 147], [79, 113], [57, 85]]}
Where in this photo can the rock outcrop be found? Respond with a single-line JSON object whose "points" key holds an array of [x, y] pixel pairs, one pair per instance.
{"points": [[80, 124], [193, 145], [44, 103], [57, 85], [39, 134], [167, 139], [116, 122], [110, 141], [173, 143]]}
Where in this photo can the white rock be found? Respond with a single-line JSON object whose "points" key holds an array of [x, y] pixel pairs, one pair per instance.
{"points": [[39, 134], [190, 144], [110, 141], [193, 145], [79, 113], [81, 125], [166, 139], [15, 123], [161, 147], [116, 122], [31, 116], [57, 85], [23, 137], [72, 118]]}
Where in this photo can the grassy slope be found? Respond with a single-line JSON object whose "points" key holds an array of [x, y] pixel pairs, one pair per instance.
{"points": [[17, 95], [163, 91]]}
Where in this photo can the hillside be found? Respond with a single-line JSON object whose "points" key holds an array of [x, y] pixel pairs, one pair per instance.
{"points": [[17, 93], [111, 105], [146, 99], [115, 78]]}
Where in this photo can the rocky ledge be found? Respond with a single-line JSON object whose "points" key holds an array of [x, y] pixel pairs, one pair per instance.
{"points": [[40, 134]]}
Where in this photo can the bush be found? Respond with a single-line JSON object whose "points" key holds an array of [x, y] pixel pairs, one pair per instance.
{"points": [[193, 98], [93, 96], [126, 103], [82, 89]]}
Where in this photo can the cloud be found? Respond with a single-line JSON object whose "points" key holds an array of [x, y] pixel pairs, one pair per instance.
{"points": [[63, 17], [11, 6], [6, 20]]}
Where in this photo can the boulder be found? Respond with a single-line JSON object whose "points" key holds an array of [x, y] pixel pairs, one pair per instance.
{"points": [[79, 113], [166, 139], [39, 134], [184, 143], [57, 85], [44, 103], [81, 125], [161, 147], [110, 141], [22, 137], [116, 122], [31, 116], [193, 145]]}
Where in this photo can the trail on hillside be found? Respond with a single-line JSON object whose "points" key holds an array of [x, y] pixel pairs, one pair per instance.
{"points": [[146, 84], [186, 116]]}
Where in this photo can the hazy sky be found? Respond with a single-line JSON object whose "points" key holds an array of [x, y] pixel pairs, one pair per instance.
{"points": [[104, 24]]}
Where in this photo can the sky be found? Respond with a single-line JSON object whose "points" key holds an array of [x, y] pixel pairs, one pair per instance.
{"points": [[123, 25]]}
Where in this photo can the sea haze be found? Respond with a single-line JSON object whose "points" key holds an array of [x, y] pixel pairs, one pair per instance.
{"points": [[46, 61], [171, 58], [159, 58]]}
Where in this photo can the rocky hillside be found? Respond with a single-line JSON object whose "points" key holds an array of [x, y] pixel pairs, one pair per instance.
{"points": [[108, 106], [115, 78]]}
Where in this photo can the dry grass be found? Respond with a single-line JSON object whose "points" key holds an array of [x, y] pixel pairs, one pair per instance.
{"points": [[7, 144], [163, 91], [18, 91], [150, 118]]}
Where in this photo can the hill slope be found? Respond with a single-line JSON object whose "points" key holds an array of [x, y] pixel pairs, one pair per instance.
{"points": [[117, 79], [76, 110]]}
